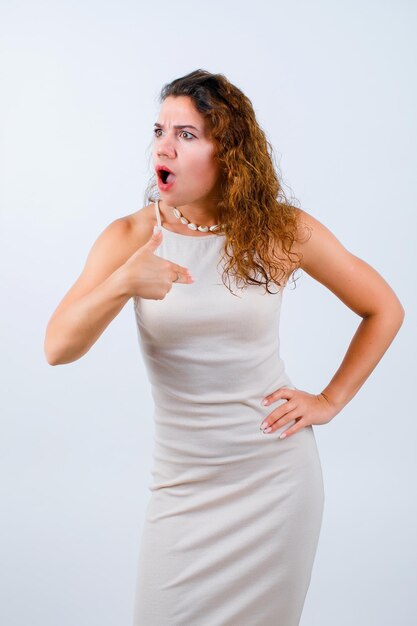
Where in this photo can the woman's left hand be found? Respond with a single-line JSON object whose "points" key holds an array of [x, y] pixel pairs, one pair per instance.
{"points": [[306, 408]]}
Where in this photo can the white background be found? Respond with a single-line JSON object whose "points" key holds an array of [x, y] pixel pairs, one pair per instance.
{"points": [[333, 85]]}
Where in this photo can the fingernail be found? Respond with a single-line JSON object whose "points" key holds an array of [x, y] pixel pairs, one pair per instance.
{"points": [[156, 230], [264, 402], [264, 425], [282, 435], [268, 430]]}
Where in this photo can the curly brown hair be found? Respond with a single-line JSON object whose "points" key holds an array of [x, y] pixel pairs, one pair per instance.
{"points": [[259, 222]]}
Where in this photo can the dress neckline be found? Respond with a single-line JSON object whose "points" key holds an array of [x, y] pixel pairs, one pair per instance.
{"points": [[158, 218]]}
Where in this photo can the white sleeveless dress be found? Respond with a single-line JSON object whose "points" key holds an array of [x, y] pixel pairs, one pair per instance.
{"points": [[234, 515]]}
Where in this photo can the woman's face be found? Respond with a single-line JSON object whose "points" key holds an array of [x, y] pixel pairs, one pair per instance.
{"points": [[188, 152]]}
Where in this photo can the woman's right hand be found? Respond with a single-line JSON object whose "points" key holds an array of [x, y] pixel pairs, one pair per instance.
{"points": [[150, 276]]}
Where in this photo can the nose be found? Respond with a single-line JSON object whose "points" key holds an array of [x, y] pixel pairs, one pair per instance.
{"points": [[165, 147]]}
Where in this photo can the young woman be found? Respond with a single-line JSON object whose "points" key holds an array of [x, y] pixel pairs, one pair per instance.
{"points": [[237, 497]]}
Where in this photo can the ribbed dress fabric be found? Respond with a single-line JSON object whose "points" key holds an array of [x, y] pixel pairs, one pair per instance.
{"points": [[234, 515]]}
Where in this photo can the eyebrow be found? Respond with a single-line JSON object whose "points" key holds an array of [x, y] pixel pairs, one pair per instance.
{"points": [[183, 126]]}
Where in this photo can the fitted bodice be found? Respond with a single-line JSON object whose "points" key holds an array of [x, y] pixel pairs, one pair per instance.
{"points": [[201, 342]]}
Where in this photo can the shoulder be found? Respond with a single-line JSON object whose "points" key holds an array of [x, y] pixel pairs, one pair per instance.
{"points": [[121, 238], [315, 243], [136, 227]]}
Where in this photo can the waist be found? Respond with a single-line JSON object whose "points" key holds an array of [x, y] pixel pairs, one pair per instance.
{"points": [[214, 381]]}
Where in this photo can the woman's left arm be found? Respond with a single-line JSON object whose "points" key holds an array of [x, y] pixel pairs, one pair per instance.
{"points": [[363, 290]]}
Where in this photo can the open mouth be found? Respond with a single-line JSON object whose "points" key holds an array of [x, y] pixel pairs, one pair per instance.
{"points": [[165, 176]]}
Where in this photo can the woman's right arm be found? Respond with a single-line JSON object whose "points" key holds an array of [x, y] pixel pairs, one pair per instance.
{"points": [[120, 264]]}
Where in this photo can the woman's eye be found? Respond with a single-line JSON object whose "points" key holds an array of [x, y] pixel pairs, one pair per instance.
{"points": [[187, 133], [156, 130]]}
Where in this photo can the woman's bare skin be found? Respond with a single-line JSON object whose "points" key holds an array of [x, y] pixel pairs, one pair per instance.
{"points": [[122, 263]]}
